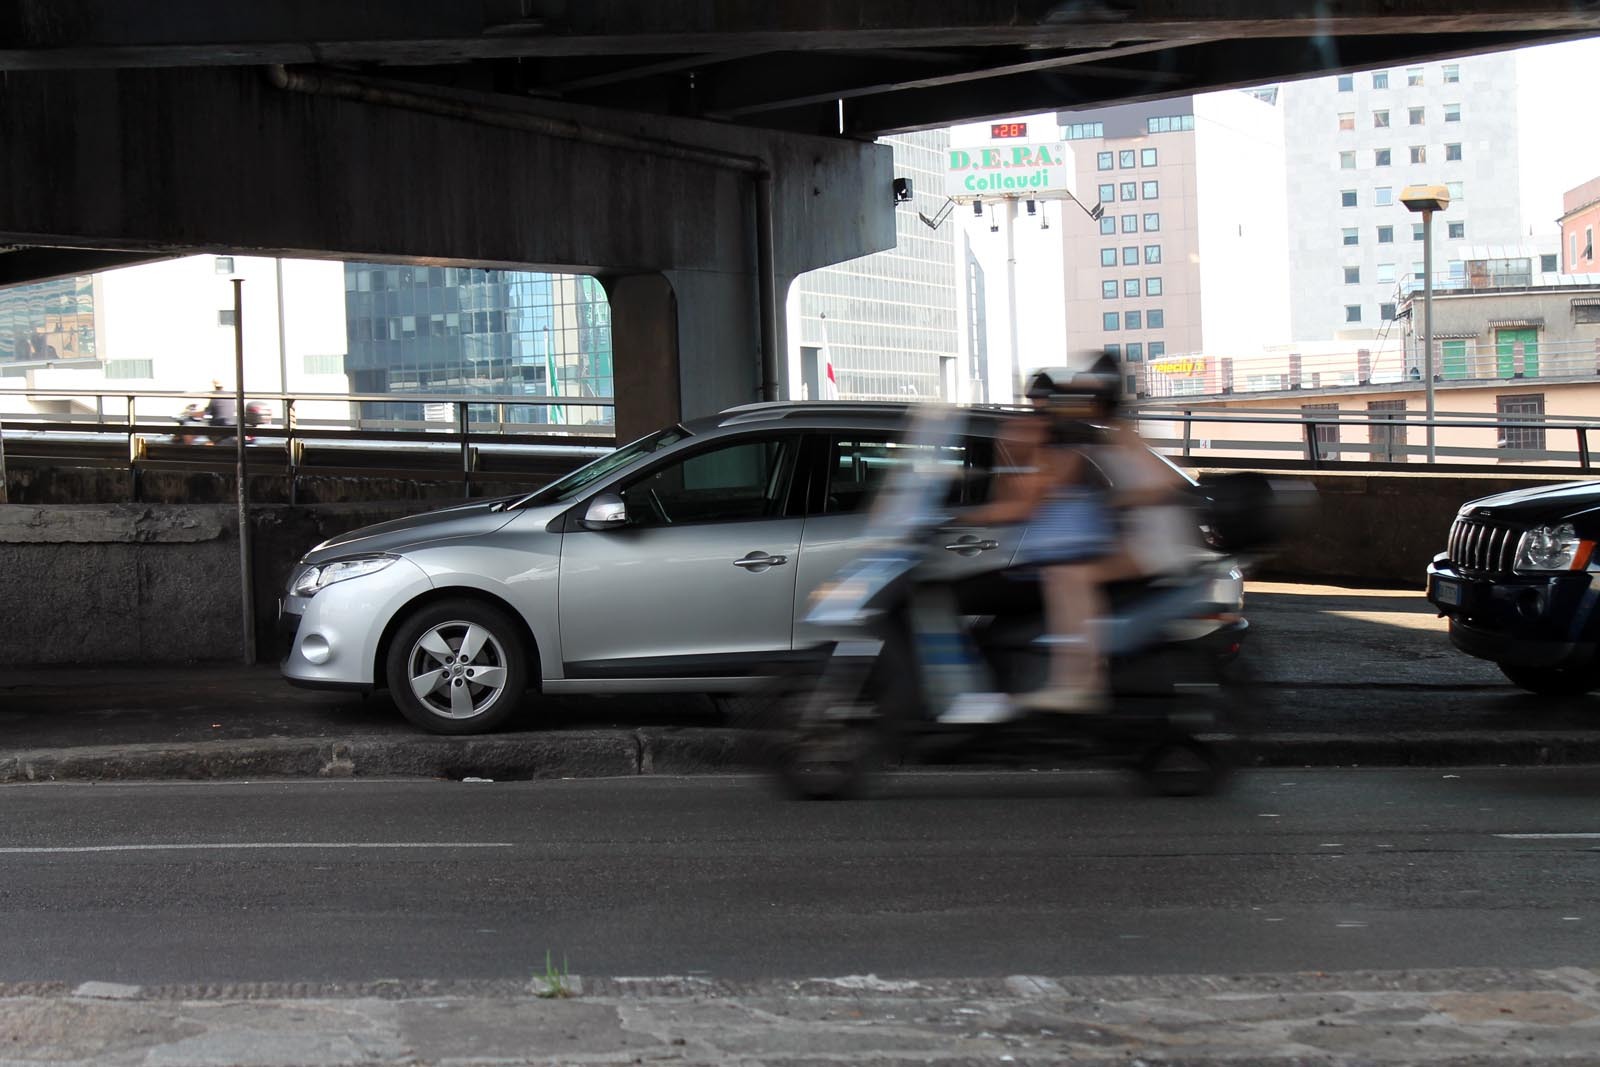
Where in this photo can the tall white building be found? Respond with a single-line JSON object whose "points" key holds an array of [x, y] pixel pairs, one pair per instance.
{"points": [[1354, 141]]}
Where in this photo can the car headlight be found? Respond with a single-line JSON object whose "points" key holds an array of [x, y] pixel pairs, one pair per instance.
{"points": [[313, 579], [1553, 548]]}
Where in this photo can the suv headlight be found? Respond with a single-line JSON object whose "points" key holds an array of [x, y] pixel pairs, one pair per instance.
{"points": [[316, 578], [1553, 548]]}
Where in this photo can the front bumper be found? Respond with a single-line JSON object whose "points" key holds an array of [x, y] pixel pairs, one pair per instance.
{"points": [[336, 633], [1516, 619]]}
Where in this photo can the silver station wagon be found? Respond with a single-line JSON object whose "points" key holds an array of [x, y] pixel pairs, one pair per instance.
{"points": [[682, 561]]}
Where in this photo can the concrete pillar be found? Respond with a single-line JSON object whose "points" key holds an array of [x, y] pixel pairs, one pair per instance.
{"points": [[644, 346]]}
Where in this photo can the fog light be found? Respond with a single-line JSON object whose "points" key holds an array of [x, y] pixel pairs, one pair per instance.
{"points": [[1530, 604], [315, 648]]}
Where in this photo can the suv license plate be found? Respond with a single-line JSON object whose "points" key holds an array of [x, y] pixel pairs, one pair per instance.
{"points": [[1446, 591]]}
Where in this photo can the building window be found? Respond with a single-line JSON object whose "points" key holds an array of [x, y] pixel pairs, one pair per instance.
{"points": [[1347, 121], [1108, 289], [1130, 190], [1130, 256], [1352, 313], [1417, 115], [1585, 312], [1114, 351], [333, 364], [1104, 160], [1386, 235], [1125, 158], [1108, 224], [1380, 120], [1150, 190], [1152, 287], [1456, 194], [1386, 312], [130, 368], [1135, 352], [1147, 157], [1110, 320], [1380, 157], [1155, 318], [1130, 224], [223, 264], [1452, 73], [1419, 153], [1152, 253], [1457, 231], [1152, 221], [1352, 275], [1452, 112], [1158, 349], [1383, 196], [1347, 198], [1347, 160], [1108, 193], [1380, 79], [1108, 257], [1080, 131], [1416, 231], [1452, 152], [225, 317], [1413, 75], [1169, 124], [1385, 273], [1130, 320], [1547, 262], [1352, 236], [1518, 411], [1130, 287], [1347, 83], [1327, 433]]}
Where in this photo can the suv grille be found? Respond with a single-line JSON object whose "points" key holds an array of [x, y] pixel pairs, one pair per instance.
{"points": [[1483, 546]]}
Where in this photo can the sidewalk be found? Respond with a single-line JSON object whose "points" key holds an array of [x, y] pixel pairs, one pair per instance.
{"points": [[1441, 1017], [1329, 677]]}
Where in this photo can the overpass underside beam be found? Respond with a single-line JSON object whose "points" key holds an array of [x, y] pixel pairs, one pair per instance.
{"points": [[158, 162]]}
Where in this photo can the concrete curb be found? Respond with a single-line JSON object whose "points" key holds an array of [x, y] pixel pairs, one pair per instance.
{"points": [[688, 750]]}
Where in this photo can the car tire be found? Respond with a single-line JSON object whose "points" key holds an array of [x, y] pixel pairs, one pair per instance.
{"points": [[457, 667], [1553, 681]]}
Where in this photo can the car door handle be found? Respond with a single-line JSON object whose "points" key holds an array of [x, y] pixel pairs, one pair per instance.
{"points": [[757, 560], [971, 545]]}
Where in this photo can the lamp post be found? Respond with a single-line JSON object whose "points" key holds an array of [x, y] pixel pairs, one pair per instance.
{"points": [[1426, 199]]}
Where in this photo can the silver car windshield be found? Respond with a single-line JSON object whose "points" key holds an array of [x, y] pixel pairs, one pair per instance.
{"points": [[565, 488]]}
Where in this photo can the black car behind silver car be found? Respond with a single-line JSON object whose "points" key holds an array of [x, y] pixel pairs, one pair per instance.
{"points": [[1517, 583]]}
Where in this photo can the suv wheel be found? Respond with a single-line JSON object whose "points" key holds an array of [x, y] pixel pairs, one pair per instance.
{"points": [[457, 667], [1553, 681]]}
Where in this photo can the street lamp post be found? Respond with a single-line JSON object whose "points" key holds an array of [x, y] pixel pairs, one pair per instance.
{"points": [[1427, 199]]}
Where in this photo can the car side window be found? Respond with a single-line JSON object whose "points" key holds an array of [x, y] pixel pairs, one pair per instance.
{"points": [[858, 466], [746, 480]]}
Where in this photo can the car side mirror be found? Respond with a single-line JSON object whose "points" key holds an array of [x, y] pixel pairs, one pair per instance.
{"points": [[606, 512]]}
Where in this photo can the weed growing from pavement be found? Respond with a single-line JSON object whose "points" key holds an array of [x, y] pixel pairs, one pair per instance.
{"points": [[553, 983]]}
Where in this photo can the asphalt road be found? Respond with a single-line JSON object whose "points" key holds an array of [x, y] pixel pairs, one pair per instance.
{"points": [[953, 875]]}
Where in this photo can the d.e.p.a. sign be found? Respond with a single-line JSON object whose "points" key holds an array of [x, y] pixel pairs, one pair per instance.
{"points": [[1029, 171]]}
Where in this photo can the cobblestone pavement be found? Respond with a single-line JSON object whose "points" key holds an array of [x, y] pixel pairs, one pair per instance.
{"points": [[1436, 1017]]}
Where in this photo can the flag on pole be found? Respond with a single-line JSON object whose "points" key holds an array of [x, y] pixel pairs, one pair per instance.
{"points": [[552, 380], [828, 383]]}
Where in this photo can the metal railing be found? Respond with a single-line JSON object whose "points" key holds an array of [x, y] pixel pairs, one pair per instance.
{"points": [[295, 419], [1510, 442]]}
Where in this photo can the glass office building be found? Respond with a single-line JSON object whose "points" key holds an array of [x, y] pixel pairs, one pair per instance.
{"points": [[458, 331], [48, 322]]}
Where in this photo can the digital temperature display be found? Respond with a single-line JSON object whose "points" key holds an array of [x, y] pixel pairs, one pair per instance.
{"points": [[1009, 129]]}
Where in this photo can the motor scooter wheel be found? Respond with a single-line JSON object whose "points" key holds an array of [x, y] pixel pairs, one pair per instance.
{"points": [[1186, 768], [834, 745]]}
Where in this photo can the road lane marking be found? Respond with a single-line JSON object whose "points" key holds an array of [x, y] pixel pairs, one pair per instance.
{"points": [[1551, 837], [225, 846]]}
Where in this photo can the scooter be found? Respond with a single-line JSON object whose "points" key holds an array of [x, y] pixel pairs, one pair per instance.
{"points": [[922, 670]]}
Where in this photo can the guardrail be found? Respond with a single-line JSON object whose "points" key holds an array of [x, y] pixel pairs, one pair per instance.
{"points": [[321, 418], [1511, 443]]}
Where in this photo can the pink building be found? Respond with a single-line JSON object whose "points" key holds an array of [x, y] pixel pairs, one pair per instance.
{"points": [[1580, 217]]}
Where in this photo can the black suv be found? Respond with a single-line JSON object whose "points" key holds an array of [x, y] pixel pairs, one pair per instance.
{"points": [[1516, 584]]}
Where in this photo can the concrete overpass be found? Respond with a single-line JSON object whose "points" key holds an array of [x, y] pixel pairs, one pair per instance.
{"points": [[695, 157]]}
